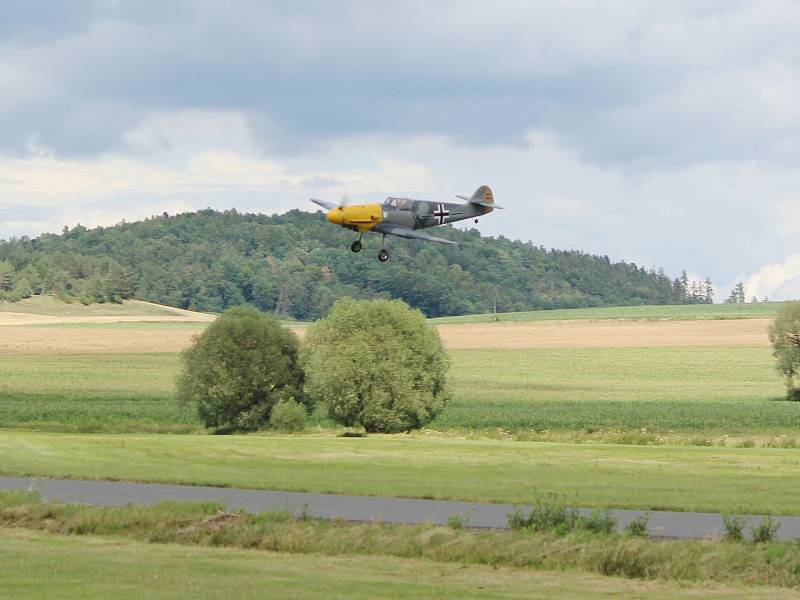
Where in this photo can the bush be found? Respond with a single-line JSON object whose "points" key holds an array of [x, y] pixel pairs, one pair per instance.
{"points": [[377, 364], [457, 521], [553, 515], [239, 368], [784, 333], [766, 530], [734, 527], [288, 415], [638, 526]]}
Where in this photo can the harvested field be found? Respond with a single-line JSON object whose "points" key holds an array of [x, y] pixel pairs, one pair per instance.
{"points": [[78, 340], [166, 336], [606, 334]]}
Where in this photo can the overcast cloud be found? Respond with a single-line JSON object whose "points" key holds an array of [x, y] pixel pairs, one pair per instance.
{"points": [[661, 133]]}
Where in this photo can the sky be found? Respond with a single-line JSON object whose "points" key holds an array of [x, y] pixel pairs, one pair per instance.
{"points": [[661, 133]]}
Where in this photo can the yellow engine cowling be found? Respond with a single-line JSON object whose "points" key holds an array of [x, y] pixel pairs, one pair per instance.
{"points": [[360, 216]]}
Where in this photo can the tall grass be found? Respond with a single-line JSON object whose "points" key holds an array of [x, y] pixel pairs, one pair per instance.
{"points": [[608, 554]]}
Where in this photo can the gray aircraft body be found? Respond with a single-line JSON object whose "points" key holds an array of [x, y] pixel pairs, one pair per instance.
{"points": [[405, 217]]}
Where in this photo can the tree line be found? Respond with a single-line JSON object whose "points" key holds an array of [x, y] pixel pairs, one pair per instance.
{"points": [[296, 265]]}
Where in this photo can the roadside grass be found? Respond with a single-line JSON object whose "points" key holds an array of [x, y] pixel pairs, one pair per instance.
{"points": [[517, 553], [97, 568], [684, 312], [723, 480], [683, 395]]}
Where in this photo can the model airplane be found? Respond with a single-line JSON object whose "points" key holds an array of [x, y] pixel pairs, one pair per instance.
{"points": [[404, 217]]}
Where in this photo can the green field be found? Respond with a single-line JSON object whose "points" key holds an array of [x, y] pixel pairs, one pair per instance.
{"points": [[92, 392], [684, 312], [107, 567], [747, 480], [51, 306], [695, 391], [526, 555]]}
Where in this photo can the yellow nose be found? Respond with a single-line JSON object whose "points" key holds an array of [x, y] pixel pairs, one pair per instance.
{"points": [[336, 216]]}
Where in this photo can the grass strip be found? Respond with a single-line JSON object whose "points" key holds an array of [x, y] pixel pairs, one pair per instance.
{"points": [[207, 524], [724, 480]]}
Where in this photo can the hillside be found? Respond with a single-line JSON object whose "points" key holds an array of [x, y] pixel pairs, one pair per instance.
{"points": [[297, 265]]}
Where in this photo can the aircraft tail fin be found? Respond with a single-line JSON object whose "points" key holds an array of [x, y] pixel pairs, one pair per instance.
{"points": [[483, 196]]}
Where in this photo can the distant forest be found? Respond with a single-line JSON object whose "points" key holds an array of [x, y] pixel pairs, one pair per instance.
{"points": [[297, 265]]}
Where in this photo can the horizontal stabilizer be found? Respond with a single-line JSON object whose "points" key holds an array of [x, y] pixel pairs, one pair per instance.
{"points": [[407, 232], [486, 204]]}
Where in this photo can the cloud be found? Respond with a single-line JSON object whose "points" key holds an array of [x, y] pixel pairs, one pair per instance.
{"points": [[620, 83], [779, 281], [660, 133]]}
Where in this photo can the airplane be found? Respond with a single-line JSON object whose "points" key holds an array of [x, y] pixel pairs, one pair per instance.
{"points": [[404, 217]]}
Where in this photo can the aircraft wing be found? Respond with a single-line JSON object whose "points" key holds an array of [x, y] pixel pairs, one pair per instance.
{"points": [[324, 204], [407, 232]]}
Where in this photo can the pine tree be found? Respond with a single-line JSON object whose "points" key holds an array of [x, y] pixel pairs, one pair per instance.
{"points": [[739, 291], [709, 291], [6, 276], [685, 285]]}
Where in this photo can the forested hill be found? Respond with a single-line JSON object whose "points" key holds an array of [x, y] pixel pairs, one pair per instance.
{"points": [[297, 264]]}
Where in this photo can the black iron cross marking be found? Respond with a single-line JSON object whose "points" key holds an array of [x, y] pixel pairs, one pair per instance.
{"points": [[441, 213]]}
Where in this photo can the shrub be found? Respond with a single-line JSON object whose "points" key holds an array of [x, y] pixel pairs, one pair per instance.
{"points": [[600, 521], [734, 526], [377, 364], [784, 333], [288, 415], [766, 530], [552, 514], [457, 521], [239, 368], [638, 526]]}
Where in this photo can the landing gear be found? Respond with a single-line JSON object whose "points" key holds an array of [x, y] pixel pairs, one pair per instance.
{"points": [[383, 255], [356, 246]]}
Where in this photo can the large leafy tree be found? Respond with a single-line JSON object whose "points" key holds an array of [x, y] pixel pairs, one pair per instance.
{"points": [[239, 368], [784, 333], [377, 364]]}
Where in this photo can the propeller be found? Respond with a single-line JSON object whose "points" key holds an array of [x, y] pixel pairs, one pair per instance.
{"points": [[346, 201]]}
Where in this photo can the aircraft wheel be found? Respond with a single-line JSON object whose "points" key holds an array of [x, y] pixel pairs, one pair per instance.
{"points": [[356, 246], [383, 255]]}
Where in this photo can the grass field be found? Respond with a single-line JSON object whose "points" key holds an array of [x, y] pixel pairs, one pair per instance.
{"points": [[92, 392], [702, 391], [687, 312], [745, 480], [103, 567], [51, 306], [524, 553]]}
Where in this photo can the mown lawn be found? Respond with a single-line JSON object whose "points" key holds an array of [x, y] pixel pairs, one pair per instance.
{"points": [[743, 480], [106, 567]]}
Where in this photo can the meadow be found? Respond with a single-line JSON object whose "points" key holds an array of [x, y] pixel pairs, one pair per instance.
{"points": [[712, 479], [109, 547], [700, 392], [96, 568], [680, 312]]}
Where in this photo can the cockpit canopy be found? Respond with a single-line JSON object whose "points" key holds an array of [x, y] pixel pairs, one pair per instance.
{"points": [[398, 203]]}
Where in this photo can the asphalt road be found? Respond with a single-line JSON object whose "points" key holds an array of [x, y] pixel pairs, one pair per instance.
{"points": [[664, 524]]}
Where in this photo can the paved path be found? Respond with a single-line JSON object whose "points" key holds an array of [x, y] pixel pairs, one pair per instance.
{"points": [[357, 508]]}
